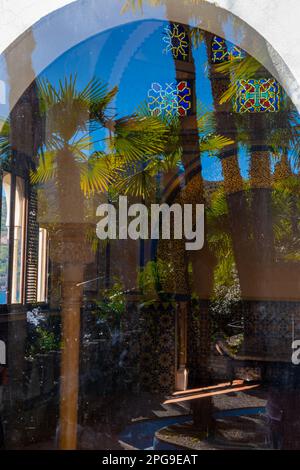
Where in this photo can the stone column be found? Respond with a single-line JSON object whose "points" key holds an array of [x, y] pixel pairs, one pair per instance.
{"points": [[73, 252], [182, 374]]}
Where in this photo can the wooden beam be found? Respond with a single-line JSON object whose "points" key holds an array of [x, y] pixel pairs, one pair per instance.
{"points": [[211, 387], [210, 394]]}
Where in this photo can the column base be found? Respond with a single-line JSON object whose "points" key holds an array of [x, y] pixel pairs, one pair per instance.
{"points": [[181, 379]]}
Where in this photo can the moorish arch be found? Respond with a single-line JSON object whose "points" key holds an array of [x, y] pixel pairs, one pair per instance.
{"points": [[40, 46], [53, 34]]}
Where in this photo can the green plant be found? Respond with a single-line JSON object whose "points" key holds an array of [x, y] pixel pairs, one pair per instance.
{"points": [[42, 341], [112, 305]]}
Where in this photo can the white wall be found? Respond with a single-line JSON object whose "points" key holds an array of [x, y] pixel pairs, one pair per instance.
{"points": [[18, 15]]}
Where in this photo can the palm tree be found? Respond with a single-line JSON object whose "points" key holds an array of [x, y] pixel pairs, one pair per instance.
{"points": [[275, 209], [201, 261], [265, 134], [258, 132], [68, 157], [192, 193], [172, 262], [139, 177], [223, 90]]}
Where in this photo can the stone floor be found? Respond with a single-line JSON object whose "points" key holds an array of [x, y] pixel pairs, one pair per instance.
{"points": [[231, 430], [241, 400]]}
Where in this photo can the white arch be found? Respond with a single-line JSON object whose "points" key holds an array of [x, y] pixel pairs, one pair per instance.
{"points": [[269, 31]]}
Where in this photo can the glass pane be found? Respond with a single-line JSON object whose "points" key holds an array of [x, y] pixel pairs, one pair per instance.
{"points": [[4, 240], [42, 266], [160, 157], [18, 247]]}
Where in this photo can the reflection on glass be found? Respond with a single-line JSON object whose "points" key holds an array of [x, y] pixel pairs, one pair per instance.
{"points": [[4, 238], [128, 320], [42, 266], [18, 247]]}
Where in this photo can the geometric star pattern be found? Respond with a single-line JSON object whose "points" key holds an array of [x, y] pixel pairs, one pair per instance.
{"points": [[177, 41], [223, 51], [257, 96], [173, 99]]}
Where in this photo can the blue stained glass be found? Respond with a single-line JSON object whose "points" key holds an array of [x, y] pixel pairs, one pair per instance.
{"points": [[257, 96], [223, 51], [173, 99], [177, 41]]}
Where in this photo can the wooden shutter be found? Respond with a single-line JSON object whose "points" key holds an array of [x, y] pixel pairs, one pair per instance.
{"points": [[32, 250]]}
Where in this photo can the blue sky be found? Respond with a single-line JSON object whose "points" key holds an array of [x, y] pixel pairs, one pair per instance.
{"points": [[132, 57]]}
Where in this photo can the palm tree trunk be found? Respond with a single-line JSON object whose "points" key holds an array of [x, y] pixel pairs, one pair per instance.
{"points": [[193, 194], [261, 203], [261, 198], [233, 182]]}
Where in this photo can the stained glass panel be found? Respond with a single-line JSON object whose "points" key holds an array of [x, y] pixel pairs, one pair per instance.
{"points": [[236, 53], [257, 96], [173, 99], [219, 50], [184, 94], [223, 51], [177, 41]]}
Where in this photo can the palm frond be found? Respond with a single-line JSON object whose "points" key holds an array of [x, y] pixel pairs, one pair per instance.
{"points": [[197, 36], [69, 110], [48, 95], [97, 173], [172, 126], [206, 121], [166, 163], [239, 70], [138, 183], [132, 5], [81, 148], [215, 143], [5, 148], [138, 138], [46, 169], [99, 97], [135, 5], [67, 89]]}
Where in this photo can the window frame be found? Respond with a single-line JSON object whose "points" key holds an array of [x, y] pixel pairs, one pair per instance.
{"points": [[44, 260], [9, 305], [21, 280]]}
